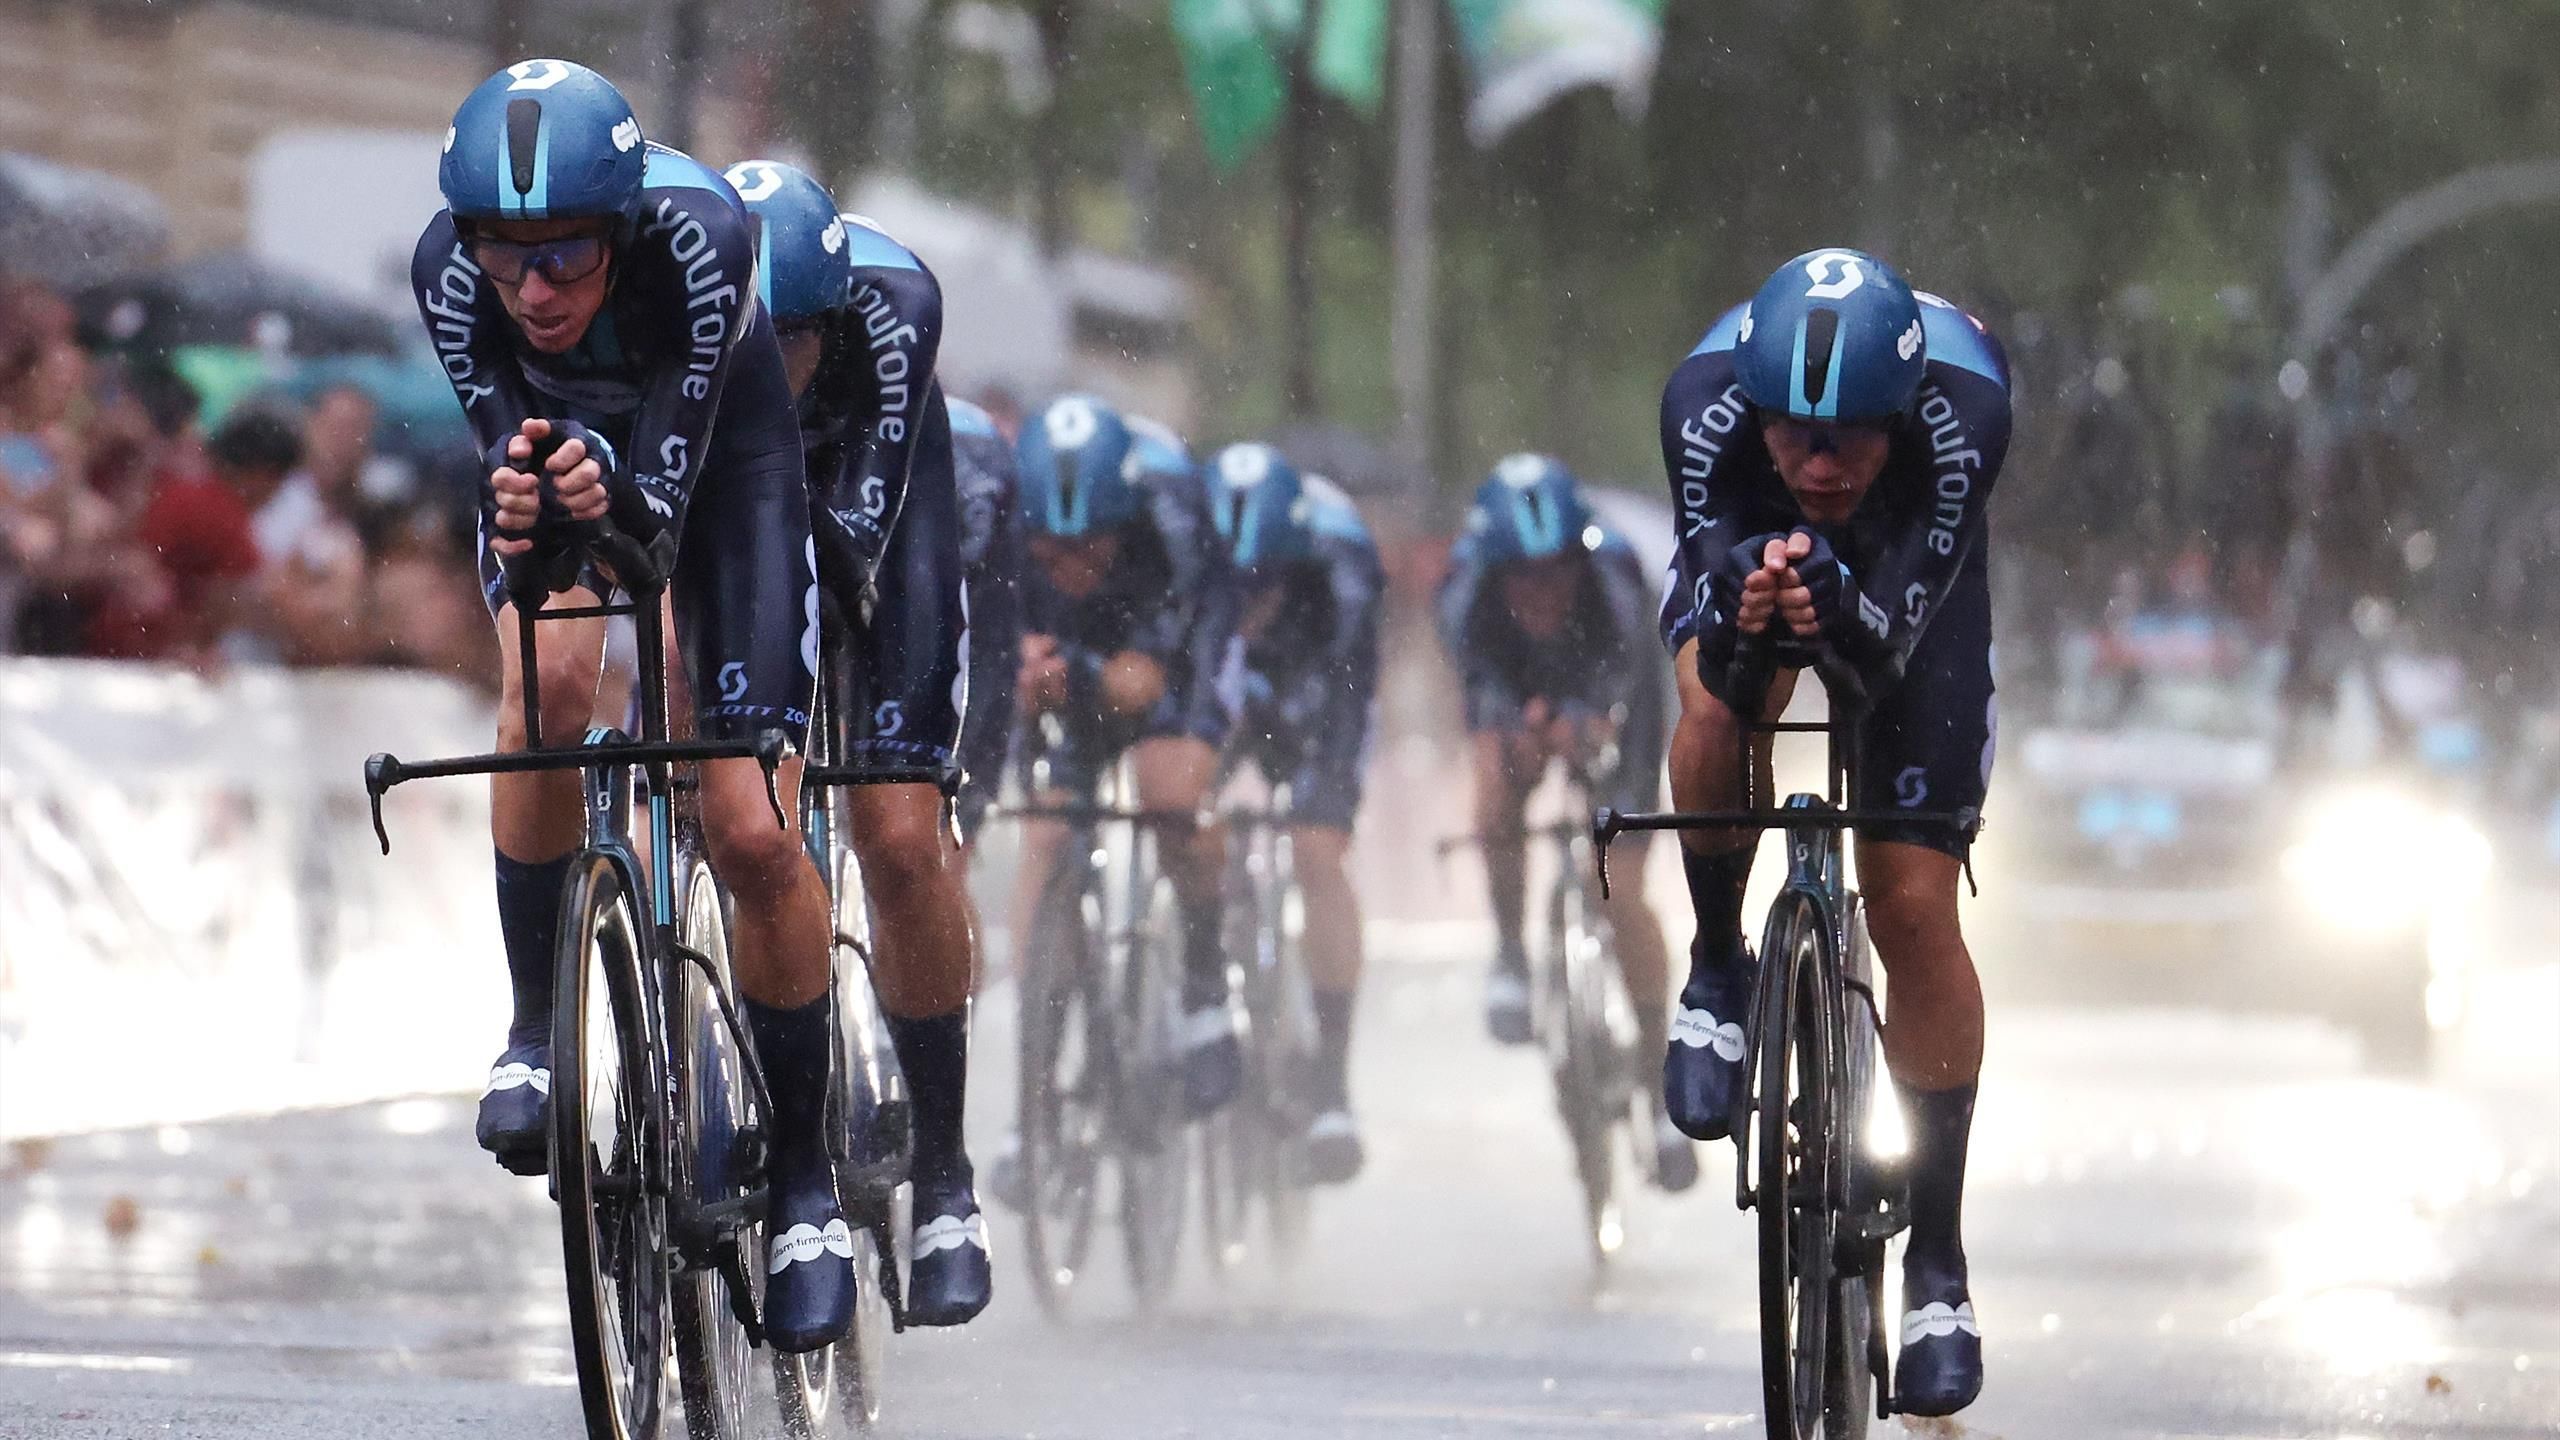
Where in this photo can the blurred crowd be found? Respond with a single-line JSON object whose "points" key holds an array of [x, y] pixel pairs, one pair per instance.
{"points": [[130, 528]]}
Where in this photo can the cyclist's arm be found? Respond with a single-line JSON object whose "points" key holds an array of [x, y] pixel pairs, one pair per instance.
{"points": [[708, 317], [1704, 424], [1908, 579], [890, 340], [1358, 605], [467, 325]]}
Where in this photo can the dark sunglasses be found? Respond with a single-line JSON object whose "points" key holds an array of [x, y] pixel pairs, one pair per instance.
{"points": [[1823, 437], [564, 261]]}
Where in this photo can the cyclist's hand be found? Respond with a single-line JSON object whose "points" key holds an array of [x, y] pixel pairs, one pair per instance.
{"points": [[1796, 603], [515, 496], [1041, 679], [577, 478], [1759, 603]]}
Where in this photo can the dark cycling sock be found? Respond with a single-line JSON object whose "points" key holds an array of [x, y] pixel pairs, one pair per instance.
{"points": [[792, 1046], [1333, 1048], [1204, 953], [1941, 1131], [529, 921], [934, 1053], [1715, 893]]}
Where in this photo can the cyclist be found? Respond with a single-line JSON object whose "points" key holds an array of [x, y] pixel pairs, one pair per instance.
{"points": [[860, 320], [1128, 619], [1831, 446], [1313, 594], [592, 296], [992, 561], [1547, 614]]}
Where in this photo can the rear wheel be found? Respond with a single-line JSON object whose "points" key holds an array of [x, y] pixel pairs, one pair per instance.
{"points": [[1065, 1085], [604, 1139], [1856, 1339], [1795, 1129]]}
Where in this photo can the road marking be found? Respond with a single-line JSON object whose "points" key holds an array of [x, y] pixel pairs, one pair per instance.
{"points": [[68, 1360]]}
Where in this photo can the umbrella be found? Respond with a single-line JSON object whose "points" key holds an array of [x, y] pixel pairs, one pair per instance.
{"points": [[229, 299], [72, 228]]}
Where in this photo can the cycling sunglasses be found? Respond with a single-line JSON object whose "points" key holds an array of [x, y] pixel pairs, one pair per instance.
{"points": [[564, 261], [1825, 437]]}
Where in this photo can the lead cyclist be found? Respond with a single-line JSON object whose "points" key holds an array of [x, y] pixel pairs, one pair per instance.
{"points": [[1831, 447], [589, 291]]}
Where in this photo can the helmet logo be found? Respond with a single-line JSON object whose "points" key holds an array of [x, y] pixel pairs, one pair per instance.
{"points": [[1909, 344], [537, 74], [831, 239], [1245, 466], [1071, 423], [1745, 332], [627, 134], [1824, 287], [1521, 471], [754, 179]]}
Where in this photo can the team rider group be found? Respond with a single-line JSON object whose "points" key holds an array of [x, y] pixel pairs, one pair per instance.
{"points": [[724, 362]]}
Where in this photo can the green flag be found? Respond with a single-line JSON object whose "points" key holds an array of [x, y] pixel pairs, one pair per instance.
{"points": [[1237, 85], [1350, 59], [1525, 53]]}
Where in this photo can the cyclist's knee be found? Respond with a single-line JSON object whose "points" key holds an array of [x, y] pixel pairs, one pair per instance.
{"points": [[1131, 685], [1911, 908], [568, 691], [754, 855], [901, 847]]}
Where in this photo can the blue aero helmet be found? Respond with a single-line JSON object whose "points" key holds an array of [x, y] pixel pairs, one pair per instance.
{"points": [[1529, 508], [1259, 503], [1833, 335], [1074, 460], [543, 140], [804, 260]]}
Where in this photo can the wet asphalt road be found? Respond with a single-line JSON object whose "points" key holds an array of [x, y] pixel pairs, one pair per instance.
{"points": [[2182, 1225]]}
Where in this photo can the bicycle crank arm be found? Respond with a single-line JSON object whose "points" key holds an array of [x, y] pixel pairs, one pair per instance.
{"points": [[733, 1274]]}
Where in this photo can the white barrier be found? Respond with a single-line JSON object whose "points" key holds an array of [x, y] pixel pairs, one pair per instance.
{"points": [[194, 918]]}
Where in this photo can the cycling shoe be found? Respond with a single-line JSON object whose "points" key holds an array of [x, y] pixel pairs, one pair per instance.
{"points": [[515, 1111], [809, 1279], [1940, 1369], [1334, 1151], [1212, 1058], [950, 1279], [1703, 1086]]}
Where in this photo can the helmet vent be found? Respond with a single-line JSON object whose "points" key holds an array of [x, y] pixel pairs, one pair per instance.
{"points": [[524, 134], [1821, 328], [1067, 476]]}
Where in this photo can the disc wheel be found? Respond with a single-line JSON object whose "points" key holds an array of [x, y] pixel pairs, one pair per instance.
{"points": [[722, 1379], [1795, 1131], [603, 1142], [1154, 1147], [1066, 1079]]}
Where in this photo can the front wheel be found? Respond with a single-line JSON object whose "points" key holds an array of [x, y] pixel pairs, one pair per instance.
{"points": [[605, 1130], [1796, 1133]]}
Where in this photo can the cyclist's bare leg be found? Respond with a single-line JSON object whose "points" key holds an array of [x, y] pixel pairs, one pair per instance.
{"points": [[1934, 997], [535, 821], [1333, 948], [1933, 1046], [1706, 774], [1643, 956], [1503, 779], [783, 932], [1175, 772], [1040, 841], [914, 877], [540, 816]]}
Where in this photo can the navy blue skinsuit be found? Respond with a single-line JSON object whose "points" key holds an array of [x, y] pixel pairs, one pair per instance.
{"points": [[1917, 546], [1171, 596], [991, 561], [1601, 664], [1311, 677], [680, 344], [880, 477]]}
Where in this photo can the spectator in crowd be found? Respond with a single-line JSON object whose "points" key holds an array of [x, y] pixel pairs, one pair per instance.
{"points": [[198, 530], [312, 573]]}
